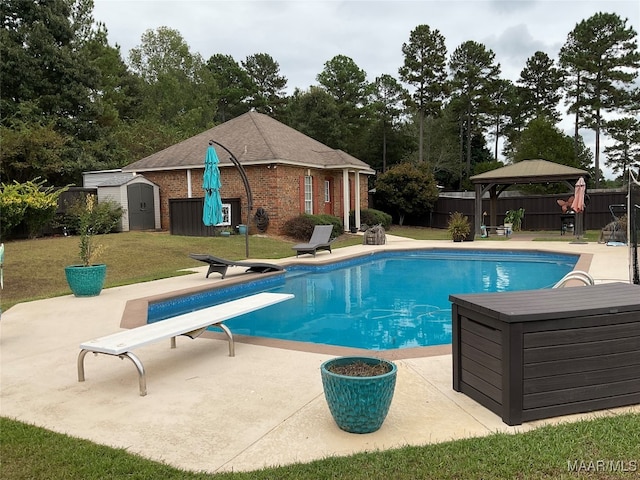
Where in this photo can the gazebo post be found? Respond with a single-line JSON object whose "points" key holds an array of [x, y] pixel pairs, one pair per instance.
{"points": [[493, 205], [478, 210]]}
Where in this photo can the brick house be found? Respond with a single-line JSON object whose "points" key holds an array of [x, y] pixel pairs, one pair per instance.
{"points": [[288, 172]]}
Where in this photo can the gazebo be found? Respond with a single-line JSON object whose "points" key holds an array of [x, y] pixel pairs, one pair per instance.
{"points": [[526, 171]]}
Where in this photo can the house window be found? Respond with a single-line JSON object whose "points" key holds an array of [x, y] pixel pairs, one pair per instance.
{"points": [[308, 195], [327, 191], [226, 215]]}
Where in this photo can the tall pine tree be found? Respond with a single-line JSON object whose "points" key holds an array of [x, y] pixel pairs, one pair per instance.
{"points": [[425, 68], [601, 60]]}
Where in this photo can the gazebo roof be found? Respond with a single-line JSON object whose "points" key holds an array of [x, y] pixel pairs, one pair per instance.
{"points": [[530, 171]]}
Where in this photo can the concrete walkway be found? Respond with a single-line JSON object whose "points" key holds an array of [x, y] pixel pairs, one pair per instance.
{"points": [[206, 411]]}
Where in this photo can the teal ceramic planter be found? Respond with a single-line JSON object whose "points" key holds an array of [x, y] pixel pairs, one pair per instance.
{"points": [[86, 281], [358, 404]]}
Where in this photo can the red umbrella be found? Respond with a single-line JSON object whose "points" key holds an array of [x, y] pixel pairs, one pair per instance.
{"points": [[578, 201]]}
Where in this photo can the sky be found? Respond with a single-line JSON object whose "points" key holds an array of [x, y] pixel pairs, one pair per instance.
{"points": [[302, 35]]}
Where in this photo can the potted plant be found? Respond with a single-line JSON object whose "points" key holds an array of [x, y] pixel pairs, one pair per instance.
{"points": [[514, 217], [87, 278], [358, 391], [458, 226]]}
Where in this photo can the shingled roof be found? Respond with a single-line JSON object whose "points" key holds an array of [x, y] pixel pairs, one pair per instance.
{"points": [[254, 139], [530, 171]]}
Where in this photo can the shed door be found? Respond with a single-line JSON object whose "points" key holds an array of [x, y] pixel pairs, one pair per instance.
{"points": [[141, 207]]}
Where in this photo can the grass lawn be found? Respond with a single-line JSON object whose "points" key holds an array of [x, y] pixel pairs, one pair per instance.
{"points": [[34, 269], [603, 448], [599, 449]]}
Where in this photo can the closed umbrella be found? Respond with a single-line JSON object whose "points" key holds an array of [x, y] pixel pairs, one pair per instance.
{"points": [[212, 211], [578, 197], [578, 204]]}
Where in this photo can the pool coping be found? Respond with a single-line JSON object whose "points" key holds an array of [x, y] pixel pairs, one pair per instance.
{"points": [[136, 310]]}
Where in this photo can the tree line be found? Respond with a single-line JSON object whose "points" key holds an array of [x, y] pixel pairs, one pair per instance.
{"points": [[71, 103]]}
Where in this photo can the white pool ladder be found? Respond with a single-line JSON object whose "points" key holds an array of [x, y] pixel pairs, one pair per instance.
{"points": [[579, 275]]}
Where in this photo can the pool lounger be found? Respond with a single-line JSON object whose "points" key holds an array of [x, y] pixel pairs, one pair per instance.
{"points": [[320, 240], [220, 265], [191, 324]]}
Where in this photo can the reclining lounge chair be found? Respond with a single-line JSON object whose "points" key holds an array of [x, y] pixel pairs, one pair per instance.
{"points": [[220, 265], [320, 240]]}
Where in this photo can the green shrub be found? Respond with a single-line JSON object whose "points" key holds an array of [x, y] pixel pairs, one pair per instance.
{"points": [[104, 216], [459, 226], [12, 208], [371, 217], [30, 203], [107, 216], [515, 217], [301, 227]]}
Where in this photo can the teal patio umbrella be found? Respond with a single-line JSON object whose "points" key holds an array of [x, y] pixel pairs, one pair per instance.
{"points": [[212, 211]]}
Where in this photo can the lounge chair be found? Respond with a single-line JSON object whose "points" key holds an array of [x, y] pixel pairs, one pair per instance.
{"points": [[320, 240], [220, 265]]}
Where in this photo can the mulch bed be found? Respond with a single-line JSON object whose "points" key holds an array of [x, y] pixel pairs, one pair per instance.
{"points": [[360, 369]]}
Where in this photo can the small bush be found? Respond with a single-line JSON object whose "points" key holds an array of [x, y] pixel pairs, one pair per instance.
{"points": [[459, 226], [371, 217], [30, 203], [104, 217], [301, 227]]}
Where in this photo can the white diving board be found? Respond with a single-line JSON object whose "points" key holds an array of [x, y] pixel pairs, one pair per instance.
{"points": [[191, 324]]}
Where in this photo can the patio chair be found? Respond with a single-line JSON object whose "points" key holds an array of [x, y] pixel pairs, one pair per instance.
{"points": [[220, 265], [618, 235], [320, 240]]}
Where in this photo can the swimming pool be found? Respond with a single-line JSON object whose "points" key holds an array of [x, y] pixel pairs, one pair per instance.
{"points": [[381, 301]]}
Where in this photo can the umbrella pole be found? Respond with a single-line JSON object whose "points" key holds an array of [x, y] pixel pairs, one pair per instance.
{"points": [[245, 181], [579, 228]]}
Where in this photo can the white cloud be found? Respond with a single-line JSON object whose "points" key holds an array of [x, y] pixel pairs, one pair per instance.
{"points": [[302, 35]]}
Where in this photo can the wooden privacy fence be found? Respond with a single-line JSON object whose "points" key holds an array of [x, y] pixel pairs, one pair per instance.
{"points": [[542, 212]]}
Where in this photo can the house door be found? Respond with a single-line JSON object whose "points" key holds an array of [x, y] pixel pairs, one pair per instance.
{"points": [[328, 196], [141, 207]]}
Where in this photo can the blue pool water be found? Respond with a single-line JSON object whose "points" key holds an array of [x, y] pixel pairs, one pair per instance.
{"points": [[382, 301]]}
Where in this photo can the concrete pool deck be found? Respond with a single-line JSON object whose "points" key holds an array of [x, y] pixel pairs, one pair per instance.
{"points": [[206, 411]]}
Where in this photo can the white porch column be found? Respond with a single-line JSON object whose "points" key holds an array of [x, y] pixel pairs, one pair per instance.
{"points": [[189, 189], [345, 198], [356, 185]]}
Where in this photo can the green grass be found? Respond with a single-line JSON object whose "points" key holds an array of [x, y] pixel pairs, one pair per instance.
{"points": [[588, 236], [424, 233], [420, 233], [34, 269], [30, 452]]}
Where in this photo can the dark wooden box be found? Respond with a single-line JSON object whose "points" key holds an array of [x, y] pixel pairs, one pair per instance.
{"points": [[543, 353]]}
